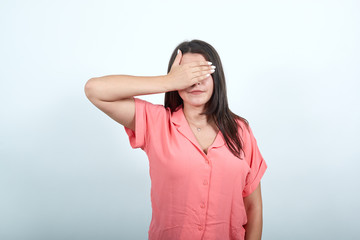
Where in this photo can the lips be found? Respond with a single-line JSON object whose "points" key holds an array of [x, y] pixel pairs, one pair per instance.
{"points": [[196, 92]]}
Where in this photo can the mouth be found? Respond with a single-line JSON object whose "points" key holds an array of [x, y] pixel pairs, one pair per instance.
{"points": [[196, 92]]}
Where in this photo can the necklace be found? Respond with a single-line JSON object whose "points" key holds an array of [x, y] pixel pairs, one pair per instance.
{"points": [[197, 128], [191, 124]]}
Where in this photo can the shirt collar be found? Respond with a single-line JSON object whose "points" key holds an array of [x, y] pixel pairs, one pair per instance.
{"points": [[179, 120]]}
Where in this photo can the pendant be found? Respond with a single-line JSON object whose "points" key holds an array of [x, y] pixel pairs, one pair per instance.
{"points": [[198, 129]]}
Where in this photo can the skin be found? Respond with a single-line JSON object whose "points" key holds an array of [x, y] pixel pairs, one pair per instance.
{"points": [[253, 207], [193, 105], [113, 94]]}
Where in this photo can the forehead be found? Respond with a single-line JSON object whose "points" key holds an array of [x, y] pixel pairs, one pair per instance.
{"points": [[192, 57]]}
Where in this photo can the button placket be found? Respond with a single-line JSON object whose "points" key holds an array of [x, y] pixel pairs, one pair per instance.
{"points": [[205, 192], [205, 183]]}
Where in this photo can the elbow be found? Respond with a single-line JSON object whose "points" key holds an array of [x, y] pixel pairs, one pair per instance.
{"points": [[89, 87]]}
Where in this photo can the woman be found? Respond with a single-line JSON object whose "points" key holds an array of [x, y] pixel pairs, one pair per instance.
{"points": [[205, 165]]}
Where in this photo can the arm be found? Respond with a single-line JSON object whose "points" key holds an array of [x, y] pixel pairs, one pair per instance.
{"points": [[117, 87], [113, 94], [253, 207]]}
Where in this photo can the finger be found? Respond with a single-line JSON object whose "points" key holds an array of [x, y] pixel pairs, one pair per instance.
{"points": [[202, 68], [203, 73], [178, 58], [201, 78], [199, 63]]}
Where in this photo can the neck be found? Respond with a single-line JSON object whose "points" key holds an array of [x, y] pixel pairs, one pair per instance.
{"points": [[192, 114]]}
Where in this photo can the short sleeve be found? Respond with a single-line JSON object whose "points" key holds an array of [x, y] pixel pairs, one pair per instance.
{"points": [[256, 162], [147, 119]]}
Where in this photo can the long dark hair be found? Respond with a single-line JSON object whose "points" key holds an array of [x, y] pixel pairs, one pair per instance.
{"points": [[217, 107]]}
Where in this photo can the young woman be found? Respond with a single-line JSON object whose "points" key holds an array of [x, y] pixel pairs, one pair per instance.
{"points": [[205, 165]]}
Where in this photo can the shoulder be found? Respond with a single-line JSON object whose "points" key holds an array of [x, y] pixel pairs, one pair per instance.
{"points": [[246, 136], [149, 108], [148, 104], [243, 126]]}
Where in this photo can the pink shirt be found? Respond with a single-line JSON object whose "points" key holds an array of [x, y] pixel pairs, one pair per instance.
{"points": [[194, 195]]}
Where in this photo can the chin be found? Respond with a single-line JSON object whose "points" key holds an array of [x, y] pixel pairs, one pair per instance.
{"points": [[196, 102]]}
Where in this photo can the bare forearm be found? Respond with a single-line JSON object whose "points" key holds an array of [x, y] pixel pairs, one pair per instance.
{"points": [[253, 227], [116, 87]]}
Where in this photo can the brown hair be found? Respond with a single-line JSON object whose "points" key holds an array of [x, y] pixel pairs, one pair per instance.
{"points": [[217, 107]]}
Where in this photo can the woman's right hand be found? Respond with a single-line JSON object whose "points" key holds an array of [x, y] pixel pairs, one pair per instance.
{"points": [[186, 75]]}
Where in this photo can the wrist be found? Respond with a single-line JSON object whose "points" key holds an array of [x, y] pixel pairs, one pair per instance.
{"points": [[167, 83]]}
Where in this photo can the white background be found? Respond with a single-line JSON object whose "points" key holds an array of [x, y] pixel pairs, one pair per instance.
{"points": [[67, 170]]}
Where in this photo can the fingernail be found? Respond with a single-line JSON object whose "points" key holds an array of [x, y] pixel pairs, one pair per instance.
{"points": [[178, 51], [213, 67], [209, 63]]}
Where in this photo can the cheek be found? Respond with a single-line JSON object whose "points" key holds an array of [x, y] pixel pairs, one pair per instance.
{"points": [[181, 93], [209, 83], [209, 80]]}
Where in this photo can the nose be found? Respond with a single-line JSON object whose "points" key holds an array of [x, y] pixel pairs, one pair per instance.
{"points": [[195, 84]]}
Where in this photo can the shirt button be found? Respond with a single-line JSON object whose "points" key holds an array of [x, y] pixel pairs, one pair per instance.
{"points": [[202, 205], [205, 182], [200, 228]]}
